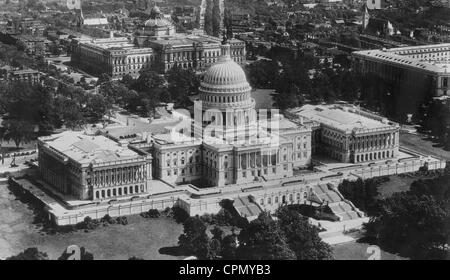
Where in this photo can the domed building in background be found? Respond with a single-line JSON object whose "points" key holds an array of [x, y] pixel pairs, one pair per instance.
{"points": [[157, 25], [155, 45]]}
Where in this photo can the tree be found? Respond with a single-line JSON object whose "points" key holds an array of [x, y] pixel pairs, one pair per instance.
{"points": [[117, 92], [104, 78], [416, 226], [29, 254], [363, 193], [18, 131], [302, 237], [229, 247], [215, 248], [149, 80], [181, 83], [97, 107], [68, 112], [128, 80], [194, 239], [263, 239]]}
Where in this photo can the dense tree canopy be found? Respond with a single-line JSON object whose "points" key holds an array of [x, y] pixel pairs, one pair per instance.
{"points": [[302, 237], [415, 223], [263, 239], [194, 238], [363, 193]]}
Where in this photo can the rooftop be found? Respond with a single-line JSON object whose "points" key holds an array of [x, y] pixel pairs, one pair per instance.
{"points": [[415, 56], [343, 117], [86, 149]]}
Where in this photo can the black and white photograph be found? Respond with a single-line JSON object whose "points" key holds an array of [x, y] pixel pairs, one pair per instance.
{"points": [[222, 132]]}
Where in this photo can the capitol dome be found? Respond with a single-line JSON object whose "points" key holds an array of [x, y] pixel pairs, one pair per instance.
{"points": [[225, 76], [225, 102]]}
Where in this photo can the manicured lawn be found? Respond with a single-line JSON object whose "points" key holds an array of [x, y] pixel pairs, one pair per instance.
{"points": [[142, 238], [358, 251], [421, 144], [395, 184], [263, 98]]}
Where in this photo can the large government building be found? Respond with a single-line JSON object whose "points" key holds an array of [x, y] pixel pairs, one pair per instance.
{"points": [[409, 65], [349, 134], [226, 143], [89, 167], [229, 144], [155, 44]]}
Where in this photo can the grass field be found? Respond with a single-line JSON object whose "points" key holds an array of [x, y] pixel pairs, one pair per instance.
{"points": [[395, 184], [359, 251], [143, 238], [423, 145], [263, 98]]}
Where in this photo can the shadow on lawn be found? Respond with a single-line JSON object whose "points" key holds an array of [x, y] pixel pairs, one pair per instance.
{"points": [[175, 251]]}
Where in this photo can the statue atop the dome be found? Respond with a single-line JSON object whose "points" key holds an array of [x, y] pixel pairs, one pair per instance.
{"points": [[224, 38]]}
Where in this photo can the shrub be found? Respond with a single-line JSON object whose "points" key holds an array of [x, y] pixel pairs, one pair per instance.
{"points": [[107, 219], [152, 214], [179, 214], [122, 220]]}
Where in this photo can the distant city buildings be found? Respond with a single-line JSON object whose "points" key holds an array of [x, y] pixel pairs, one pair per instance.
{"points": [[375, 4], [20, 75]]}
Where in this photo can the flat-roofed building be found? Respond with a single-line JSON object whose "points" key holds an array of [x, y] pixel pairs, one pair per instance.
{"points": [[409, 65], [349, 134], [115, 56], [155, 45], [409, 76], [89, 167], [21, 75]]}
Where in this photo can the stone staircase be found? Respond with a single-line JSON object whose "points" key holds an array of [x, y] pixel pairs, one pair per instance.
{"points": [[246, 208], [341, 207]]}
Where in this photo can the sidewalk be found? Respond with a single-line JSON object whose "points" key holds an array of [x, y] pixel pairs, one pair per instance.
{"points": [[340, 239]]}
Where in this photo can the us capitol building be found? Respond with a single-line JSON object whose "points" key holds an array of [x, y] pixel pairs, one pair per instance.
{"points": [[231, 144], [227, 150]]}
